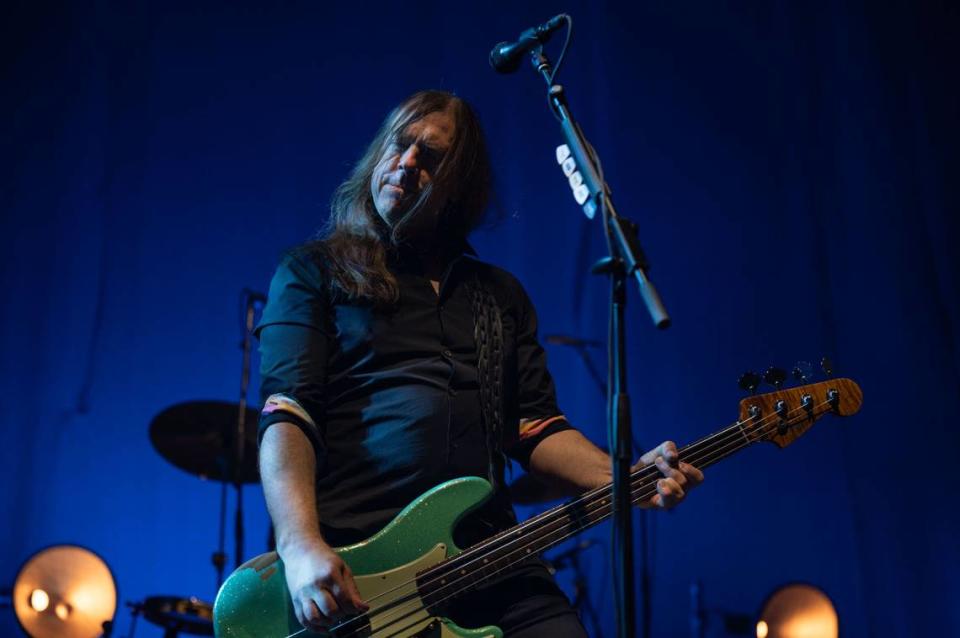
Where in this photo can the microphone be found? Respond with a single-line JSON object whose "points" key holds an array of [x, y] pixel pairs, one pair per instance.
{"points": [[506, 56]]}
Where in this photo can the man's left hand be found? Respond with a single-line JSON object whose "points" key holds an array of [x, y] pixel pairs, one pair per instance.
{"points": [[678, 477]]}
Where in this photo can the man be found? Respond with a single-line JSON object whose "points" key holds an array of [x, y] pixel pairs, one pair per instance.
{"points": [[393, 360]]}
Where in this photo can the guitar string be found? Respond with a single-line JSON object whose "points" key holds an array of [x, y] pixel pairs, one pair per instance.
{"points": [[571, 530], [704, 447], [710, 453]]}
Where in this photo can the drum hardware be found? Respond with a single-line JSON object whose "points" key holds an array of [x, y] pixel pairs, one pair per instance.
{"points": [[570, 558], [174, 615], [199, 437], [217, 440]]}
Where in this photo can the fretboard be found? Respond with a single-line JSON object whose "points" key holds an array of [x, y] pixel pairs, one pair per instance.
{"points": [[491, 557]]}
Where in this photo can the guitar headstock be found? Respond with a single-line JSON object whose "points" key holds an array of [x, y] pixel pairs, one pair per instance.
{"points": [[783, 416]]}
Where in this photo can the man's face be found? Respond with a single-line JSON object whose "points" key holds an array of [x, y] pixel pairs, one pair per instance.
{"points": [[408, 163]]}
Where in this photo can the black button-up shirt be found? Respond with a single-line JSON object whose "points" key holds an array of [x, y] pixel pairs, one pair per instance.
{"points": [[390, 398]]}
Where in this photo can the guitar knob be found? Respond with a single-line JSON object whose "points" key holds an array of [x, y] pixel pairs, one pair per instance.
{"points": [[749, 381], [827, 366], [803, 371], [775, 376]]}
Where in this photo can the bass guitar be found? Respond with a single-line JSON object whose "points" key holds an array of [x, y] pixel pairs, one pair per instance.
{"points": [[406, 571]]}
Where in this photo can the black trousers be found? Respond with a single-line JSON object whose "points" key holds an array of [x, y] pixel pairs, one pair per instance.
{"points": [[527, 603], [565, 626]]}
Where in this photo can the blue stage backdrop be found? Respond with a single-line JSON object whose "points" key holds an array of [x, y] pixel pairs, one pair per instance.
{"points": [[791, 166]]}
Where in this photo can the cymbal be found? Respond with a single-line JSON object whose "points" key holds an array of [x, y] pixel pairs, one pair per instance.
{"points": [[197, 436], [179, 615]]}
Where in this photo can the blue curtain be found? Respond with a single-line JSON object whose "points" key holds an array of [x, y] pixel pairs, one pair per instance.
{"points": [[791, 166]]}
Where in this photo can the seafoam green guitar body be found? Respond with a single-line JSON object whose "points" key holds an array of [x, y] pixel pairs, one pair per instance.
{"points": [[254, 602]]}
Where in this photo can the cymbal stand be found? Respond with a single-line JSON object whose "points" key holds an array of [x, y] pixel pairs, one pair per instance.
{"points": [[135, 609], [219, 557], [251, 302], [581, 598]]}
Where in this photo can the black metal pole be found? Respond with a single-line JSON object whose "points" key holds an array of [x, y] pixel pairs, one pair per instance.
{"points": [[240, 436], [646, 610], [621, 429], [626, 259], [618, 405], [219, 557]]}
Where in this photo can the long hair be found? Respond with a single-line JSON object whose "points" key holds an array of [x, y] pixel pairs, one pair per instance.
{"points": [[356, 243]]}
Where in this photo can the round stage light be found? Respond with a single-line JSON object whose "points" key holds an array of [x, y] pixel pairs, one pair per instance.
{"points": [[64, 591], [798, 610], [39, 600]]}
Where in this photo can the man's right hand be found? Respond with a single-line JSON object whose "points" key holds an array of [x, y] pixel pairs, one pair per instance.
{"points": [[321, 585]]}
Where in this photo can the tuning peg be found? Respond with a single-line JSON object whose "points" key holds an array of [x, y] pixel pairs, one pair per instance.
{"points": [[749, 381], [827, 366], [775, 376], [803, 371]]}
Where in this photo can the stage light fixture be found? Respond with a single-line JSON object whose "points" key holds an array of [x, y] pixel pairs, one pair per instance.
{"points": [[798, 610], [39, 600], [64, 591]]}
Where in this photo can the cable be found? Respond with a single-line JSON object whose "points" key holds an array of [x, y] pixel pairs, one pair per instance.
{"points": [[566, 43]]}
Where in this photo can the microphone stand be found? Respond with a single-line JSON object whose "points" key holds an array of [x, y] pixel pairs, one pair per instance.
{"points": [[626, 259]]}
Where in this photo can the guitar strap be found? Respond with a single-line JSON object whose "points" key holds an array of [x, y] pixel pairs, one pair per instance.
{"points": [[488, 336]]}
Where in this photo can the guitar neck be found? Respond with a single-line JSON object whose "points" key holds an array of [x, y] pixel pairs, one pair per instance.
{"points": [[494, 555], [779, 417]]}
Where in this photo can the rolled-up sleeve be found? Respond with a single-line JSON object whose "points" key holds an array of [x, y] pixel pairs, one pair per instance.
{"points": [[539, 415], [293, 350]]}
